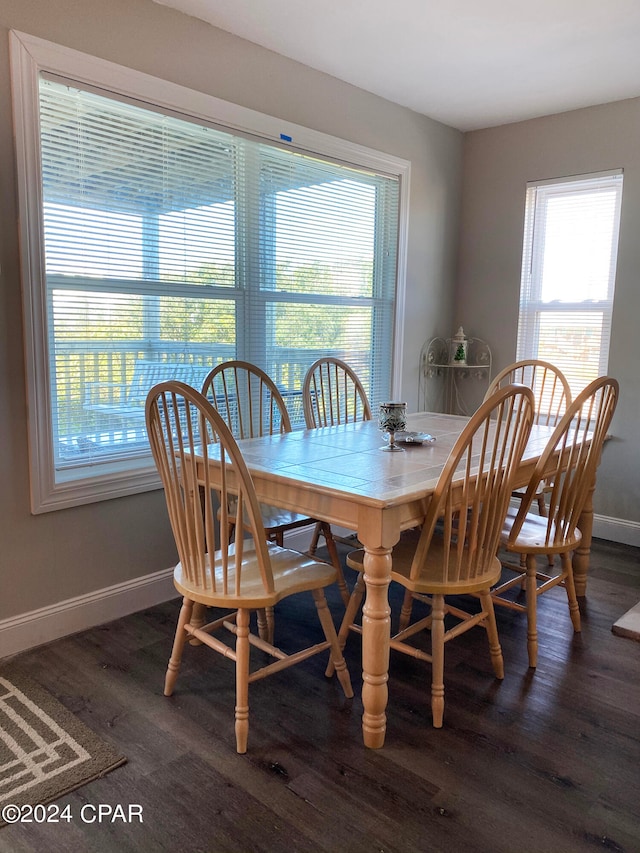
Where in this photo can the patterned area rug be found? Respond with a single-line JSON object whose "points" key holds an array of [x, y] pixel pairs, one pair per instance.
{"points": [[45, 751]]}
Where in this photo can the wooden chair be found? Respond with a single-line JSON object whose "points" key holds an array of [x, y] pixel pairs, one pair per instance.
{"points": [[247, 398], [552, 396], [249, 574], [454, 552], [251, 405], [549, 385], [333, 394], [569, 462]]}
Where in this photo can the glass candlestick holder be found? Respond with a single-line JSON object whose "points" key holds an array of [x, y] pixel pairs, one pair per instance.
{"points": [[392, 419]]}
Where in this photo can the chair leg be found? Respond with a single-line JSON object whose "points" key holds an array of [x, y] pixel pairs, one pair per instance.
{"points": [[178, 646], [335, 560], [532, 610], [313, 547], [329, 629], [242, 680], [570, 587], [266, 624], [350, 614], [437, 665], [542, 509], [198, 619], [405, 610], [492, 633]]}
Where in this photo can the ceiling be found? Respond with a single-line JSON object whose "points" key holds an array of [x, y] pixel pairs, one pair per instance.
{"points": [[467, 63]]}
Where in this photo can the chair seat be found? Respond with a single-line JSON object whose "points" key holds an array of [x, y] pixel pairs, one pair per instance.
{"points": [[430, 581], [538, 535], [292, 572]]}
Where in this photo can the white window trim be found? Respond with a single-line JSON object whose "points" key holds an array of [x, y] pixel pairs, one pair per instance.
{"points": [[531, 304], [30, 56]]}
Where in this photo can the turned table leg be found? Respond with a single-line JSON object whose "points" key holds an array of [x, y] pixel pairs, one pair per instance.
{"points": [[376, 628]]}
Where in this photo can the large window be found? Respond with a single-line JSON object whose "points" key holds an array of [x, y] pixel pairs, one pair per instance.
{"points": [[568, 274], [166, 241]]}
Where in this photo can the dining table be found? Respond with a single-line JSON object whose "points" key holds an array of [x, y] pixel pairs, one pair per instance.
{"points": [[341, 474]]}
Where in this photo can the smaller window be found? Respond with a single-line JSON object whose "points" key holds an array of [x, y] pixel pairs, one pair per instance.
{"points": [[568, 274]]}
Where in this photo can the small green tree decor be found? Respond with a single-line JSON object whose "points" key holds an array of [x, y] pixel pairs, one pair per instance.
{"points": [[459, 347]]}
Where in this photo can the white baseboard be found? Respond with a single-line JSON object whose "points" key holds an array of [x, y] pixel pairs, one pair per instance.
{"points": [[28, 630], [617, 530], [19, 633]]}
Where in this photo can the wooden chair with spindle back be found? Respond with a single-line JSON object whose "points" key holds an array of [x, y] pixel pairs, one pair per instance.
{"points": [[552, 396], [455, 550], [187, 435], [332, 393], [569, 462], [252, 406]]}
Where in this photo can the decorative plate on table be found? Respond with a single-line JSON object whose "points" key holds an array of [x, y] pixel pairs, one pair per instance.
{"points": [[415, 437]]}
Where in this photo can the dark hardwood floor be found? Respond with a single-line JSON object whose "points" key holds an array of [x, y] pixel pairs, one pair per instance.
{"points": [[544, 761]]}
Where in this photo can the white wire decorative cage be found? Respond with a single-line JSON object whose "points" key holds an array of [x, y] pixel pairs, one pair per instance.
{"points": [[450, 385]]}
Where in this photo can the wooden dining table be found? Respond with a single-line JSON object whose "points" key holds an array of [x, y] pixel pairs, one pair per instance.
{"points": [[341, 475]]}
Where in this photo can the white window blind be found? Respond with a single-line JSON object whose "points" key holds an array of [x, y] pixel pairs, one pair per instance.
{"points": [[171, 244], [568, 274]]}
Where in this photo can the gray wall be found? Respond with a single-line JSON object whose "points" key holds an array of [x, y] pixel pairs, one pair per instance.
{"points": [[60, 555], [497, 164]]}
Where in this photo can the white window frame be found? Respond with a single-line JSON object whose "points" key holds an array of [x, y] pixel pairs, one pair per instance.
{"points": [[30, 56], [532, 306]]}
